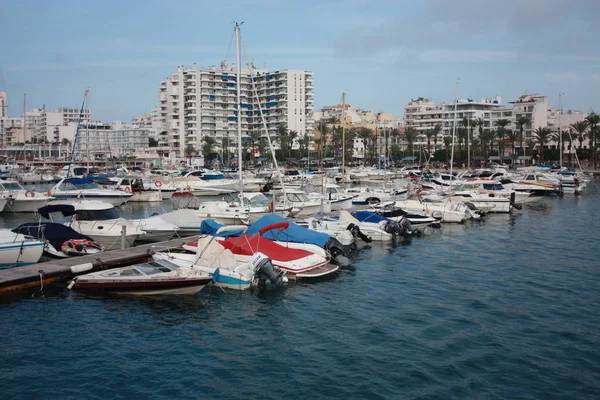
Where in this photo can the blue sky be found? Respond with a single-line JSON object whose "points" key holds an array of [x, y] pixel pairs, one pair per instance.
{"points": [[382, 53]]}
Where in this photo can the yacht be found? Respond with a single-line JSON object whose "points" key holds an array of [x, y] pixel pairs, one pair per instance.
{"points": [[80, 188], [19, 199], [300, 200]]}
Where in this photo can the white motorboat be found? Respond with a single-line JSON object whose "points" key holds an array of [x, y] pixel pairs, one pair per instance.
{"points": [[330, 227], [17, 250], [260, 205], [299, 200], [444, 211], [485, 202], [221, 264], [20, 199], [157, 277], [297, 263], [339, 199], [100, 221], [135, 186], [80, 188], [228, 213], [366, 195], [373, 231]]}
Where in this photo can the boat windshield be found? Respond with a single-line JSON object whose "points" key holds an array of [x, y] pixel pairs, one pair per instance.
{"points": [[82, 186], [97, 215], [493, 186], [297, 197], [333, 190], [259, 200], [11, 186], [152, 268]]}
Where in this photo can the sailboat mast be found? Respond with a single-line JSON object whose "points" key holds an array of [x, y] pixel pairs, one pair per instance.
{"points": [[239, 107], [453, 132], [24, 127], [343, 140], [77, 133], [560, 130]]}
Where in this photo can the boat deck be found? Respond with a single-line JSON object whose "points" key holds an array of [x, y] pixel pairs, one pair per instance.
{"points": [[31, 277]]}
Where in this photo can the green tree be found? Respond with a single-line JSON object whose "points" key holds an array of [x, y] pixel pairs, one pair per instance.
{"points": [[501, 130], [152, 142], [512, 136], [410, 136], [542, 136], [593, 119], [580, 128], [461, 135], [190, 150], [208, 144], [292, 135]]}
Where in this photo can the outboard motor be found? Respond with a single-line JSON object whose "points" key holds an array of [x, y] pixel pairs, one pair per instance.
{"points": [[267, 187], [356, 232], [335, 248], [472, 209], [408, 228], [264, 269], [393, 228]]}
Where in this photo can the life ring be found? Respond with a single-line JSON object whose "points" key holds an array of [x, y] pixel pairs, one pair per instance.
{"points": [[29, 193], [127, 189], [157, 183]]}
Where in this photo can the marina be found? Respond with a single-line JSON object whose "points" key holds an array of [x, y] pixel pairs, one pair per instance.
{"points": [[468, 309]]}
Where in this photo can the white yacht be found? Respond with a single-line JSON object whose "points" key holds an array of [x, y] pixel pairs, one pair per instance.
{"points": [[299, 200], [20, 199], [339, 198], [80, 188]]}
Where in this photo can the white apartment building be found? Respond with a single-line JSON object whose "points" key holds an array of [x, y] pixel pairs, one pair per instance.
{"points": [[152, 121], [422, 114], [534, 107], [195, 103], [473, 110], [101, 141]]}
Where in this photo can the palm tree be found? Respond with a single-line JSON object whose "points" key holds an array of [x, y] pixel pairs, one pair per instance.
{"points": [[513, 136], [502, 124], [190, 150], [542, 136], [593, 119], [410, 136], [580, 127], [462, 135], [447, 144], [292, 135], [521, 122], [428, 134], [283, 139]]}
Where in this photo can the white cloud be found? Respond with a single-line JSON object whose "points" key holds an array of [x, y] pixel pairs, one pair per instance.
{"points": [[564, 77]]}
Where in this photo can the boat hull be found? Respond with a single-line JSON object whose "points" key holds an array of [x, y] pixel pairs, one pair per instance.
{"points": [[20, 253], [146, 197], [30, 204], [143, 287]]}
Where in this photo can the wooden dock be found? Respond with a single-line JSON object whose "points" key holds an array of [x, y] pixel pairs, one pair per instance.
{"points": [[31, 277]]}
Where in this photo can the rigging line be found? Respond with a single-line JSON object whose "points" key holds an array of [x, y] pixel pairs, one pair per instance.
{"points": [[229, 47]]}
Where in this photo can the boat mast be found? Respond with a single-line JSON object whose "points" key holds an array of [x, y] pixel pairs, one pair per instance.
{"points": [[453, 132], [239, 107], [343, 140], [77, 133], [560, 130], [24, 128]]}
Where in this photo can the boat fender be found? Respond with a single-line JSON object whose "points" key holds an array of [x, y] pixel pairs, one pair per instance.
{"points": [[79, 268]]}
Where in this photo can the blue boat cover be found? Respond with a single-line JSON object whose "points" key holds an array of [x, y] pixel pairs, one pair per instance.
{"points": [[293, 233], [210, 227], [56, 234], [369, 216]]}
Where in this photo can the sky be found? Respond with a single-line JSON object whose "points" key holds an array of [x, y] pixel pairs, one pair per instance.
{"points": [[381, 53]]}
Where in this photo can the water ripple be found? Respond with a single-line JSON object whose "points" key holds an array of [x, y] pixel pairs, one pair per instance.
{"points": [[502, 309]]}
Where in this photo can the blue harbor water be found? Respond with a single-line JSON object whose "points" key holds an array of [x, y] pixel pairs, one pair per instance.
{"points": [[508, 308]]}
